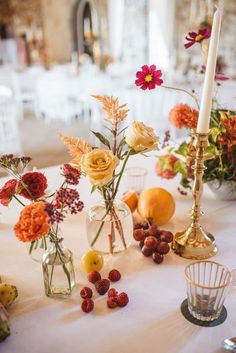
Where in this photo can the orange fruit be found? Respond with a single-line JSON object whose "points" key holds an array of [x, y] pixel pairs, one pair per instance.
{"points": [[131, 200], [157, 205]]}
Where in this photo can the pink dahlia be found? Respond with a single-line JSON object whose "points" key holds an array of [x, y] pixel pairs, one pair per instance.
{"points": [[149, 77], [197, 37]]}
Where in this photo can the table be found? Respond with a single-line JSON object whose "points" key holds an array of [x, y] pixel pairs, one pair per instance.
{"points": [[152, 322]]}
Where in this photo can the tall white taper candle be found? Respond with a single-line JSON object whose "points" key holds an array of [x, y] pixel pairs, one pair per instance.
{"points": [[206, 102]]}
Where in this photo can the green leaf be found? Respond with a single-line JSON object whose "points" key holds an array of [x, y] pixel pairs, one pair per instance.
{"points": [[171, 149], [120, 132], [102, 138], [183, 149], [180, 167], [186, 183], [93, 189], [215, 132]]}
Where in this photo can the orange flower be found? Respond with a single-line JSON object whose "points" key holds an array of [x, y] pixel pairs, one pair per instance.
{"points": [[229, 137], [182, 115], [33, 222]]}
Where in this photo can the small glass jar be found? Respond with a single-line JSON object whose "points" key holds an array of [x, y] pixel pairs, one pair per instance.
{"points": [[109, 227], [58, 270]]}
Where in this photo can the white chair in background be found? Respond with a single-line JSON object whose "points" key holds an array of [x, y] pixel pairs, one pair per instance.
{"points": [[10, 141], [9, 78]]}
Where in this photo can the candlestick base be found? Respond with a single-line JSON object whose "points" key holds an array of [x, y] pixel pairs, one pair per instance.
{"points": [[194, 243]]}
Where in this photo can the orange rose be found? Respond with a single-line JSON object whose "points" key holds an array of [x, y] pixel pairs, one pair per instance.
{"points": [[33, 222]]}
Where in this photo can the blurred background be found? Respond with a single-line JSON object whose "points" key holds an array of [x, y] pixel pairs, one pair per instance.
{"points": [[55, 53]]}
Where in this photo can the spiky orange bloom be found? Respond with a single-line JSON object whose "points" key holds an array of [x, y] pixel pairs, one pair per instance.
{"points": [[76, 147], [229, 137], [33, 222], [182, 115], [115, 112]]}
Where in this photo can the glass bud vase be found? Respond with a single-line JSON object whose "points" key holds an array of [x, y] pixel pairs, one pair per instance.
{"points": [[109, 227], [58, 270]]}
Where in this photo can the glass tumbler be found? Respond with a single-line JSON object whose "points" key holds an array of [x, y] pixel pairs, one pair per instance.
{"points": [[135, 178], [207, 286]]}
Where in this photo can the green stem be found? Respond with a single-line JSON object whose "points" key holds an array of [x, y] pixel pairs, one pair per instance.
{"points": [[185, 91], [121, 173], [15, 197]]}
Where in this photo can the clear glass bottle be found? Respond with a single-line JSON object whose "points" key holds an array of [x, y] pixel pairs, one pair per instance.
{"points": [[109, 232], [58, 270]]}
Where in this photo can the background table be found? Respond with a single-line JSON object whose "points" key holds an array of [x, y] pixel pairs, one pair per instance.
{"points": [[152, 322]]}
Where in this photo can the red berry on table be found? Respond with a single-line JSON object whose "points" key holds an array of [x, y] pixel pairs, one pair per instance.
{"points": [[157, 258], [114, 275], [86, 293], [112, 302], [87, 305], [102, 286], [166, 236], [146, 251], [163, 247], [139, 234], [150, 242], [94, 276], [122, 299], [112, 293]]}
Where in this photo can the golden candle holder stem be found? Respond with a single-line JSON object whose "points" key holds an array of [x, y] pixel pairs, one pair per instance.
{"points": [[194, 242]]}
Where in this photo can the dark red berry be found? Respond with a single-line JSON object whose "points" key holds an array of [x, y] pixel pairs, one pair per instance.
{"points": [[141, 243], [112, 302], [87, 305], [139, 234], [122, 299], [112, 293], [102, 286], [146, 251], [154, 231], [163, 247], [114, 275], [157, 258], [166, 236], [138, 226], [86, 293], [94, 276], [145, 225], [150, 242]]}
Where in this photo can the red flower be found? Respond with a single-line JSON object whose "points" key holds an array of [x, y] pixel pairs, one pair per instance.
{"points": [[197, 37], [32, 185], [71, 174], [7, 192], [218, 76], [182, 115], [149, 77]]}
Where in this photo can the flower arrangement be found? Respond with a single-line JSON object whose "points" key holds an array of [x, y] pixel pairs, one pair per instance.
{"points": [[100, 164], [222, 142], [39, 220]]}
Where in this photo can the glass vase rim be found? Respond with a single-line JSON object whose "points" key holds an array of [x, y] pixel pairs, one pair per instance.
{"points": [[208, 287]]}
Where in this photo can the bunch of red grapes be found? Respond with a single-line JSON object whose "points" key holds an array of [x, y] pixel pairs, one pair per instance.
{"points": [[153, 241]]}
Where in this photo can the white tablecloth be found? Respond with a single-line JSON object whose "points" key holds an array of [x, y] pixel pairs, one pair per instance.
{"points": [[152, 322]]}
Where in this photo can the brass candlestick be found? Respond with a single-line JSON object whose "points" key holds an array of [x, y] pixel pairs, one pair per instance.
{"points": [[194, 242]]}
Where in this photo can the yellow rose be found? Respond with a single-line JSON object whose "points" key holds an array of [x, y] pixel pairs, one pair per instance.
{"points": [[141, 137], [99, 165]]}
